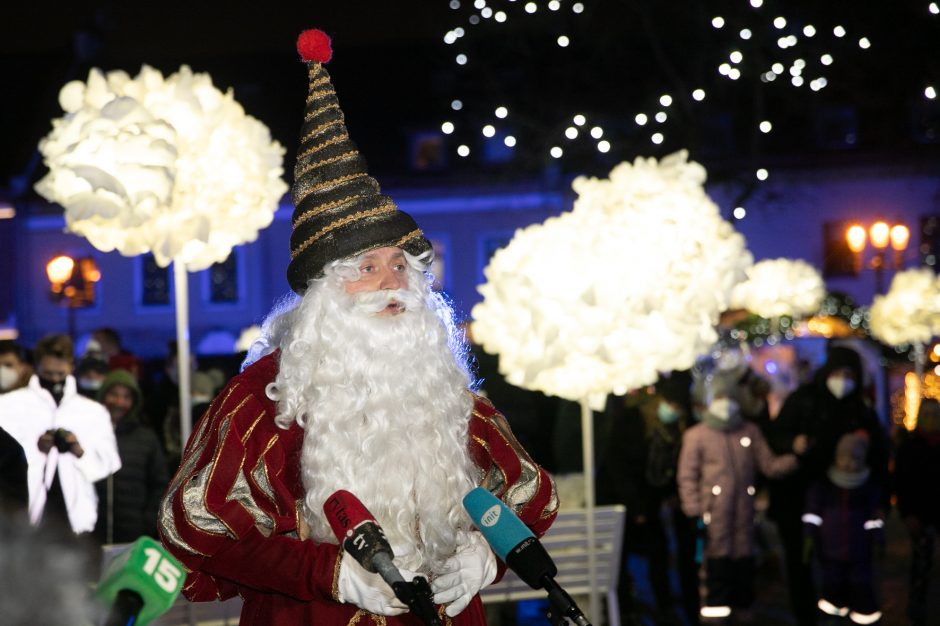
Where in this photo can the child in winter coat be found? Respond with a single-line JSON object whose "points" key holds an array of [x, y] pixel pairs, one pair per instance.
{"points": [[718, 466], [843, 522]]}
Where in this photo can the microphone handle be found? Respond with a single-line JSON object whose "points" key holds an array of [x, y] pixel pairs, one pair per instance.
{"points": [[562, 603], [416, 594], [126, 608]]}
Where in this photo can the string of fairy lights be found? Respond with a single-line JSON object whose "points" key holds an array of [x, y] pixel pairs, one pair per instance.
{"points": [[759, 43]]}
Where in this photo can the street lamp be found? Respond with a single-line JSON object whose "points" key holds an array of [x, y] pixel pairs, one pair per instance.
{"points": [[72, 284], [881, 235]]}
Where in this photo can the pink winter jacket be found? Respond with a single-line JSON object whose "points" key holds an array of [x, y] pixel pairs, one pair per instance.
{"points": [[717, 471]]}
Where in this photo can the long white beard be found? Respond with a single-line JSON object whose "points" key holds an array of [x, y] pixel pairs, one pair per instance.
{"points": [[385, 406]]}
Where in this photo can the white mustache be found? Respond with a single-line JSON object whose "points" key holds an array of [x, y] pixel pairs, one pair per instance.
{"points": [[372, 302]]}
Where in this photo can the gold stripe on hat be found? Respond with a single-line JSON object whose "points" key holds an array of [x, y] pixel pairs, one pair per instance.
{"points": [[319, 129], [303, 217], [388, 207], [312, 114], [333, 182], [318, 82], [315, 95], [311, 166], [415, 233], [320, 146]]}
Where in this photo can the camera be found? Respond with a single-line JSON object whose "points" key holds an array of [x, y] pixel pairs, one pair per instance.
{"points": [[58, 439]]}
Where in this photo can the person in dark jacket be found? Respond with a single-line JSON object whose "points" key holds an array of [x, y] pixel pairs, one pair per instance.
{"points": [[843, 522], [129, 499], [14, 490], [822, 410], [917, 474]]}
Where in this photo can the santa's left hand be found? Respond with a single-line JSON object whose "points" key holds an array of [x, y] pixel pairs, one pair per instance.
{"points": [[464, 575]]}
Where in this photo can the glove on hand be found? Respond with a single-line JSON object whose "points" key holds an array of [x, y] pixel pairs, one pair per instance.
{"points": [[368, 591], [464, 574]]}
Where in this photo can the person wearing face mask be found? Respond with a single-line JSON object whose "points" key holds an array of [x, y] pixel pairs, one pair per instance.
{"points": [[89, 374], [129, 499], [67, 439], [15, 369], [638, 470], [718, 467], [822, 410]]}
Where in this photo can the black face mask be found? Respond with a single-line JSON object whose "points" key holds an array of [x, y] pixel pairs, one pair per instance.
{"points": [[56, 388]]}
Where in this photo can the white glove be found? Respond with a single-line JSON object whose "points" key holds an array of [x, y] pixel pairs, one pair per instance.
{"points": [[368, 591], [464, 574]]}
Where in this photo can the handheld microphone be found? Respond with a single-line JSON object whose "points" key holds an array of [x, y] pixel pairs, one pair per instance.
{"points": [[364, 540], [140, 584], [517, 546]]}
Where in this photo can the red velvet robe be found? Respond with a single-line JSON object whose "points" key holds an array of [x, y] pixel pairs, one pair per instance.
{"points": [[231, 512]]}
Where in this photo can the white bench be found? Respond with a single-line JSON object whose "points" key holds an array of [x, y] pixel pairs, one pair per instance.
{"points": [[567, 543]]}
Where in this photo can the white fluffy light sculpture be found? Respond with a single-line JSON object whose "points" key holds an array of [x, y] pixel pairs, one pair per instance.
{"points": [[601, 299], [778, 287], [910, 312], [171, 166]]}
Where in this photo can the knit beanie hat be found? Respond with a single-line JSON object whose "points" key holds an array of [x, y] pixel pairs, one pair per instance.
{"points": [[339, 210]]}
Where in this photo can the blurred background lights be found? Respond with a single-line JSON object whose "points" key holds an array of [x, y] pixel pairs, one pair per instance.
{"points": [[724, 69], [447, 128], [657, 138], [556, 152], [463, 150], [571, 132], [757, 3], [461, 59], [930, 92], [765, 126], [455, 4], [450, 37], [838, 31], [736, 56], [479, 4], [739, 213], [718, 21], [597, 132], [934, 8], [762, 174], [563, 41], [698, 95], [734, 74], [603, 146], [641, 119], [579, 119], [826, 59], [510, 141], [665, 100], [489, 130], [554, 5], [818, 83], [456, 105], [531, 7], [500, 16], [577, 7], [745, 33], [660, 117], [864, 43], [501, 112], [487, 13], [780, 23], [797, 81]]}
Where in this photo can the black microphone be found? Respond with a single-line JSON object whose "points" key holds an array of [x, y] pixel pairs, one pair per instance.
{"points": [[364, 540], [514, 543]]}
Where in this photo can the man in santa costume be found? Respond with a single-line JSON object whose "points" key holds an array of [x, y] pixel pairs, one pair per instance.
{"points": [[360, 383]]}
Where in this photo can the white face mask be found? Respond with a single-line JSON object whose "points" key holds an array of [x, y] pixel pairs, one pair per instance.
{"points": [[8, 377], [840, 386], [723, 408]]}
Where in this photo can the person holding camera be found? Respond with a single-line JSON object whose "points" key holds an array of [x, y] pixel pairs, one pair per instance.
{"points": [[68, 441]]}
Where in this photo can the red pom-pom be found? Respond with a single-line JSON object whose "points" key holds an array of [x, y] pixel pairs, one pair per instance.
{"points": [[314, 45]]}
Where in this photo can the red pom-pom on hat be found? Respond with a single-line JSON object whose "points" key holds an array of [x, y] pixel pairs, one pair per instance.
{"points": [[314, 45]]}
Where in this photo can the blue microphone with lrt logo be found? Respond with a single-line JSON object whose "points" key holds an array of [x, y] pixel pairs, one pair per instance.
{"points": [[517, 546]]}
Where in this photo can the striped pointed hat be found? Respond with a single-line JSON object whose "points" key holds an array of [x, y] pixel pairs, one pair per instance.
{"points": [[339, 210]]}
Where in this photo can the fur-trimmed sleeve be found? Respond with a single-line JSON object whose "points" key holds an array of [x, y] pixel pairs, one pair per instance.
{"points": [[508, 471]]}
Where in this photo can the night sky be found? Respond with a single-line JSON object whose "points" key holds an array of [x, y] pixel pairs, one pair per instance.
{"points": [[395, 76]]}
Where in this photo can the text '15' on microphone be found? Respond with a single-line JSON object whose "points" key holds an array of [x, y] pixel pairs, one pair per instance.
{"points": [[517, 546], [140, 584], [363, 539]]}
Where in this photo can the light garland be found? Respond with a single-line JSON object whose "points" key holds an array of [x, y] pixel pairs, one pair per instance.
{"points": [[628, 284], [910, 312], [778, 287], [168, 165]]}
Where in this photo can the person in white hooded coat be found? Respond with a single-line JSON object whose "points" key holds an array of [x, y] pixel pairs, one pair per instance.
{"points": [[68, 439]]}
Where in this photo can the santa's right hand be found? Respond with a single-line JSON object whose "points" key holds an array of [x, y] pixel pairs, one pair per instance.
{"points": [[368, 591]]}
